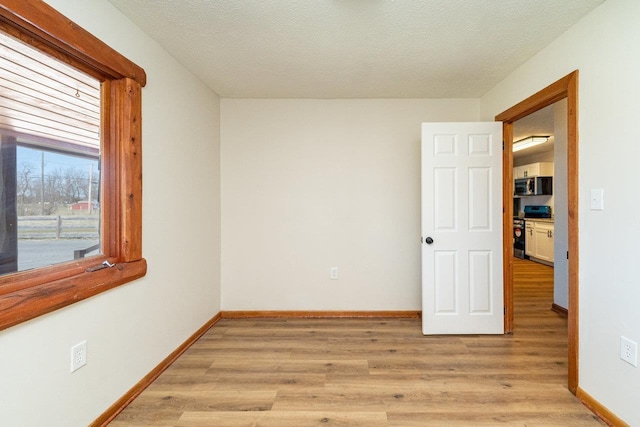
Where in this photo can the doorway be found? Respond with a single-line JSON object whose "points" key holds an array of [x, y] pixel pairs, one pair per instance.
{"points": [[565, 88], [544, 240]]}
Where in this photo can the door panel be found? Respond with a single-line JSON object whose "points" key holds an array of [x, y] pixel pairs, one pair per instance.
{"points": [[446, 283], [462, 213], [479, 199], [480, 281], [444, 180]]}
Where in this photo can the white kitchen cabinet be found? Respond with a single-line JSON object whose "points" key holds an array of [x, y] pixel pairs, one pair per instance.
{"points": [[533, 169], [544, 241], [539, 240], [529, 239], [540, 169], [519, 172]]}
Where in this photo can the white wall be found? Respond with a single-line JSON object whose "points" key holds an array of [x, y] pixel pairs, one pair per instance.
{"points": [[312, 184], [132, 328], [604, 46]]}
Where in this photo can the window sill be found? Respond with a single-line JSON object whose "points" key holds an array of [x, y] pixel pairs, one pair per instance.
{"points": [[26, 304]]}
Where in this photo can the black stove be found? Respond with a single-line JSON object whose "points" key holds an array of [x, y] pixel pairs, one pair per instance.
{"points": [[537, 211], [518, 237]]}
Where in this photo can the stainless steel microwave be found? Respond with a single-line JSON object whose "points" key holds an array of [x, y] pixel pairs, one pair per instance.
{"points": [[535, 186]]}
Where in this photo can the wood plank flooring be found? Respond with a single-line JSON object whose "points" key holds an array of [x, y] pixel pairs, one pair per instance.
{"points": [[372, 372]]}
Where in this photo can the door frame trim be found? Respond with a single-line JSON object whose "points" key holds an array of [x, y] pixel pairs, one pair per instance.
{"points": [[566, 87]]}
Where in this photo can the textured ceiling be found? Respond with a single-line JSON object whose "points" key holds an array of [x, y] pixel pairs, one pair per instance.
{"points": [[353, 48]]}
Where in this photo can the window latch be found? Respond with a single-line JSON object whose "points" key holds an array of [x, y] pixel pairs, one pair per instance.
{"points": [[105, 264]]}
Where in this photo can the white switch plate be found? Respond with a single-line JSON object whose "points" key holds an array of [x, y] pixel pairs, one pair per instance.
{"points": [[597, 199], [333, 275]]}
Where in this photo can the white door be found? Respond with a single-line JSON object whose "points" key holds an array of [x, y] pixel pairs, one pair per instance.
{"points": [[462, 228]]}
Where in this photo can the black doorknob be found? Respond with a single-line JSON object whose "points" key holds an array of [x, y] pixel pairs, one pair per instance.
{"points": [[428, 240]]}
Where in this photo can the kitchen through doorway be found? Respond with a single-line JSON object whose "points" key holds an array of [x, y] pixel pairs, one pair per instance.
{"points": [[542, 214], [564, 88]]}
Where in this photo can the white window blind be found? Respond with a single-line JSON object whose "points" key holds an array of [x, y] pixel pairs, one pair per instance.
{"points": [[46, 103]]}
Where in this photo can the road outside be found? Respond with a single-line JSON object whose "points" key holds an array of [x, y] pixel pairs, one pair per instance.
{"points": [[40, 253]]}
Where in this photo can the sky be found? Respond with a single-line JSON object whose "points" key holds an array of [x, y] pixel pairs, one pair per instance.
{"points": [[52, 161]]}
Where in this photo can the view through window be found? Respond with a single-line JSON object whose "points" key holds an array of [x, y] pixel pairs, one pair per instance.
{"points": [[49, 160]]}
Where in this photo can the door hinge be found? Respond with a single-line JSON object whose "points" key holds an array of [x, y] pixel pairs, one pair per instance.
{"points": [[567, 254], [502, 145], [505, 311]]}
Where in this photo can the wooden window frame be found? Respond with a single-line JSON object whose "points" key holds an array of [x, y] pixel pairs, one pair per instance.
{"points": [[29, 294]]}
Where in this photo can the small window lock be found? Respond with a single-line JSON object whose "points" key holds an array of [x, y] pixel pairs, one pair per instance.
{"points": [[105, 264]]}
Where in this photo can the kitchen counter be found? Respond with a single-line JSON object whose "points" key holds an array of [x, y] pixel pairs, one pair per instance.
{"points": [[547, 220]]}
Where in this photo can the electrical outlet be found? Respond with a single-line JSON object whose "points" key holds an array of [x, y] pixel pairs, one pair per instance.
{"points": [[78, 356], [629, 351], [333, 275]]}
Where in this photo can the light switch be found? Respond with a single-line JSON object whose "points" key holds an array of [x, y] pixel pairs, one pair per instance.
{"points": [[597, 199]]}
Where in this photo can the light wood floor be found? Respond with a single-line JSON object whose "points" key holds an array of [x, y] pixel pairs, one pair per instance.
{"points": [[372, 372]]}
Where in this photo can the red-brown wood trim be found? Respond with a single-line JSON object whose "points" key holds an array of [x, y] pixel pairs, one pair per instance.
{"points": [[566, 87], [26, 304], [110, 181], [38, 20], [600, 410], [25, 279], [573, 229], [545, 97], [560, 310], [141, 385], [280, 314], [126, 98], [507, 229]]}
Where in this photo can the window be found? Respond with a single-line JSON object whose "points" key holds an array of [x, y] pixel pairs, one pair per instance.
{"points": [[49, 156], [29, 292]]}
